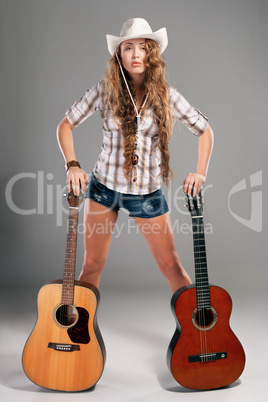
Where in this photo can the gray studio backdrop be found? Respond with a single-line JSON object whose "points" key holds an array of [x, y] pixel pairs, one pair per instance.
{"points": [[52, 51]]}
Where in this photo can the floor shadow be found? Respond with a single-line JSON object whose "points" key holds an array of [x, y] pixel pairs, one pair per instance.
{"points": [[181, 389], [165, 382]]}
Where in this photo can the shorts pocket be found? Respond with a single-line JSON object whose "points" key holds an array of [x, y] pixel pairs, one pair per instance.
{"points": [[96, 183]]}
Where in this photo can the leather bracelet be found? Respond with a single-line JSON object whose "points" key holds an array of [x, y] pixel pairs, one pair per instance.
{"points": [[71, 164]]}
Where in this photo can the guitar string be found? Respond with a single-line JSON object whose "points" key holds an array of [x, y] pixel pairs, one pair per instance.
{"points": [[205, 342], [62, 303], [199, 296], [64, 309], [203, 295], [68, 280], [200, 313], [72, 264], [208, 341], [204, 289], [196, 253], [209, 331]]}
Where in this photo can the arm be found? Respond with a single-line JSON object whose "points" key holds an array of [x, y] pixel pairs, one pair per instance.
{"points": [[75, 175], [195, 180]]}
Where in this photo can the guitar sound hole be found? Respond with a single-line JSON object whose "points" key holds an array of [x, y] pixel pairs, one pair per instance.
{"points": [[66, 315], [204, 317]]}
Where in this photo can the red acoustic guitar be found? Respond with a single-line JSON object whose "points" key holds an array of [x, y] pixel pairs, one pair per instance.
{"points": [[65, 350], [204, 353]]}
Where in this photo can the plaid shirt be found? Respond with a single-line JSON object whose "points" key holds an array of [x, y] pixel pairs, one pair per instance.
{"points": [[108, 169]]}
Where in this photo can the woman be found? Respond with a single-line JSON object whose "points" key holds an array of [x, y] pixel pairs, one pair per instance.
{"points": [[137, 108]]}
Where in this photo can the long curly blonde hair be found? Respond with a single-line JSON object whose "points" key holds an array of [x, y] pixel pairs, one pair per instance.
{"points": [[118, 100]]}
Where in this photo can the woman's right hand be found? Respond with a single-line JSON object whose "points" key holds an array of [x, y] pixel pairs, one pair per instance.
{"points": [[78, 178]]}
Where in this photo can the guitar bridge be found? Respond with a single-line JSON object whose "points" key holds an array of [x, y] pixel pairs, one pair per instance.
{"points": [[63, 347], [208, 357]]}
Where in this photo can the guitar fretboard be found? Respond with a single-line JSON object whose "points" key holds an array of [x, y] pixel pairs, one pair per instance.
{"points": [[70, 258], [200, 259]]}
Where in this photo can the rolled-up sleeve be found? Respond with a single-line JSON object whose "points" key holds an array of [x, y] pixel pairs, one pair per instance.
{"points": [[85, 106], [191, 117]]}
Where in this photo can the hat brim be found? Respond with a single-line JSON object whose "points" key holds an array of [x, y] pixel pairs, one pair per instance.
{"points": [[159, 36]]}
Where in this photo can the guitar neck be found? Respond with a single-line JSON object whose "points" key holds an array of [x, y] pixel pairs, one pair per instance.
{"points": [[200, 260], [70, 258]]}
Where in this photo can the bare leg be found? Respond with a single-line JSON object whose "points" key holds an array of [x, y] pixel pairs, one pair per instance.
{"points": [[99, 222], [160, 238]]}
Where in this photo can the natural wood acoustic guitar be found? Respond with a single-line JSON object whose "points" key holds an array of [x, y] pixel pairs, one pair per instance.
{"points": [[65, 350], [204, 353]]}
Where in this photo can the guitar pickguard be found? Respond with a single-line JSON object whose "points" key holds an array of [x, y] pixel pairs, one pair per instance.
{"points": [[79, 332]]}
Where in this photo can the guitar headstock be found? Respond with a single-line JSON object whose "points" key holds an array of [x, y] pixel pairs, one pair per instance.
{"points": [[74, 200], [195, 204]]}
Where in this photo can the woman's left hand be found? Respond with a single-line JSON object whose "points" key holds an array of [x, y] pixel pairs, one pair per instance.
{"points": [[193, 182]]}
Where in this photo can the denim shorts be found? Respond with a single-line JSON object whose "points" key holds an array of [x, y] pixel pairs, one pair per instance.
{"points": [[140, 206]]}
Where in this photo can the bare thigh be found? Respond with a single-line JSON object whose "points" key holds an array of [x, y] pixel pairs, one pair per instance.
{"points": [[99, 223], [160, 238]]}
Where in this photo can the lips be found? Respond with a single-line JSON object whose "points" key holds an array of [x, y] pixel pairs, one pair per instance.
{"points": [[136, 64]]}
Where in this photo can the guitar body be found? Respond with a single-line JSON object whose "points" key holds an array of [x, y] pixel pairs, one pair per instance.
{"points": [[65, 355], [205, 356]]}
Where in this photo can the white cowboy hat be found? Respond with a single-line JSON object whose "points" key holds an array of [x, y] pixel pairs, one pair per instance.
{"points": [[137, 28]]}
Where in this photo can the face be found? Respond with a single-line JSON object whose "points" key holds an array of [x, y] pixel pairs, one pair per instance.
{"points": [[133, 56]]}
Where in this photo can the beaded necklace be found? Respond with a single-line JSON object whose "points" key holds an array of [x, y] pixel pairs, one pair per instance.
{"points": [[137, 130]]}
